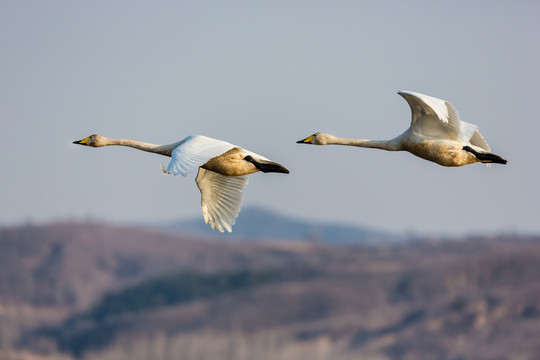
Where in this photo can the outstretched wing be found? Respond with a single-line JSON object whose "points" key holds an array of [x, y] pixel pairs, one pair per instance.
{"points": [[221, 198], [437, 118], [195, 151], [478, 140]]}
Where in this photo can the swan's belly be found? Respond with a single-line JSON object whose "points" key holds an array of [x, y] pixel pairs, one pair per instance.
{"points": [[442, 152], [231, 163]]}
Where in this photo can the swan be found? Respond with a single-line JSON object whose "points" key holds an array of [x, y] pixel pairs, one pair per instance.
{"points": [[436, 134], [222, 169]]}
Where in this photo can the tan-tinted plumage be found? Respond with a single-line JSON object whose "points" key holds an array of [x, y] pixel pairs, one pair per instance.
{"points": [[222, 169], [436, 134]]}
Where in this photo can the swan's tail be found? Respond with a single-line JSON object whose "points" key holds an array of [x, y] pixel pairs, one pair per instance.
{"points": [[267, 166], [488, 158]]}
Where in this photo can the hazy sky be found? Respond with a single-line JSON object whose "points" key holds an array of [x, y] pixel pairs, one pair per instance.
{"points": [[264, 74]]}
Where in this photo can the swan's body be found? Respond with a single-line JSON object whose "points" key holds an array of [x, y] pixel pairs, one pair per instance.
{"points": [[222, 169], [436, 134]]}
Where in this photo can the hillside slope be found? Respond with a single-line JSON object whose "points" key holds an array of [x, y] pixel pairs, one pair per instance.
{"points": [[473, 298], [255, 223]]}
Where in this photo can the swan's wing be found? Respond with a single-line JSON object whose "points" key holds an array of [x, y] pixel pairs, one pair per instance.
{"points": [[221, 198], [436, 118], [195, 151], [478, 140]]}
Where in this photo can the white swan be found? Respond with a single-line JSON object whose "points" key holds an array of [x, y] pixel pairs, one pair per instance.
{"points": [[222, 171], [436, 134]]}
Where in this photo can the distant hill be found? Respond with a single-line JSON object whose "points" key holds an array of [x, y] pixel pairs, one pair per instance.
{"points": [[471, 299], [255, 223], [71, 265], [94, 291]]}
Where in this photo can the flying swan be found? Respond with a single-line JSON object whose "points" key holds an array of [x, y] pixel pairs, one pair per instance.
{"points": [[436, 134], [222, 170]]}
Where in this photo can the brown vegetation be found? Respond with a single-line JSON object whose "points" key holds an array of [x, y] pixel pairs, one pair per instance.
{"points": [[455, 299]]}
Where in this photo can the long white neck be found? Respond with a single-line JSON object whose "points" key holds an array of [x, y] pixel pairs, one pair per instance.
{"points": [[390, 145], [165, 150]]}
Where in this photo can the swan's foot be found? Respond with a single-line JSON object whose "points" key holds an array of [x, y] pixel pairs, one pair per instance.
{"points": [[485, 157], [164, 170], [267, 166]]}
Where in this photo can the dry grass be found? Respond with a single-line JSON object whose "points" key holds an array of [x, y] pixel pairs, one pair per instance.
{"points": [[235, 345]]}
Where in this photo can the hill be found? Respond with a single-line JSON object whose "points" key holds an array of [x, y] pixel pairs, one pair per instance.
{"points": [[72, 264], [255, 224], [122, 293]]}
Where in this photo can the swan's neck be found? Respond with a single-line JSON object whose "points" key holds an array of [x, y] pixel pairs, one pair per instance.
{"points": [[165, 150], [391, 145]]}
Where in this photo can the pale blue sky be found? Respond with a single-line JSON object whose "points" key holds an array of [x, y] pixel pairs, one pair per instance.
{"points": [[264, 74]]}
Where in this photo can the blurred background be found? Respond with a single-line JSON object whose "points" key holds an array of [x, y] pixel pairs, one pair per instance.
{"points": [[357, 253]]}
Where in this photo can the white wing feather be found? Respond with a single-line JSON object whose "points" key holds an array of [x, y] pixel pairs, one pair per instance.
{"points": [[478, 140], [221, 198], [195, 151], [425, 102], [438, 118]]}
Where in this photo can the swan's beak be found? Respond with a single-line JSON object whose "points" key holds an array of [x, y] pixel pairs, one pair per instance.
{"points": [[307, 140], [83, 141]]}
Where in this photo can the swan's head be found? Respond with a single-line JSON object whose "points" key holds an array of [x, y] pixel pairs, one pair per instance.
{"points": [[93, 141], [317, 139]]}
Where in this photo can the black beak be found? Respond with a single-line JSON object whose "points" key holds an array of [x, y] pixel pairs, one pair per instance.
{"points": [[300, 141]]}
